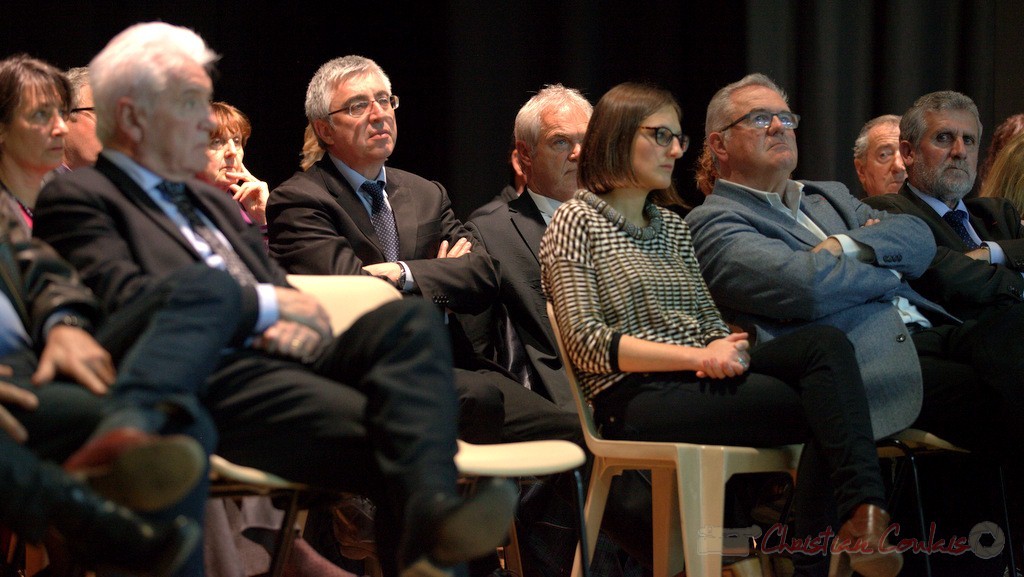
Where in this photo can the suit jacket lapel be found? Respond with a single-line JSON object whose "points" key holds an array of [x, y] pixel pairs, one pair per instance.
{"points": [[223, 222], [945, 235], [763, 211], [134, 193], [528, 222], [406, 220], [348, 200]]}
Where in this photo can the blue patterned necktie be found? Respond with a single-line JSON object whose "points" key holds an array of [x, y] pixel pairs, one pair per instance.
{"points": [[383, 220], [174, 192], [958, 220]]}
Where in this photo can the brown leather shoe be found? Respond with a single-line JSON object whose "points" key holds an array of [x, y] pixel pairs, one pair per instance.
{"points": [[140, 470], [857, 546]]}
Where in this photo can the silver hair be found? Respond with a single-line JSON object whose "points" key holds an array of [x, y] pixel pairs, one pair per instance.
{"points": [[860, 146], [912, 125], [140, 62], [720, 111], [527, 125], [321, 88], [78, 77]]}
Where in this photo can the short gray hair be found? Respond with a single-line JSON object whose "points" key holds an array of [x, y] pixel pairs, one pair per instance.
{"points": [[860, 146], [527, 125], [912, 125], [321, 88], [139, 62], [78, 77], [719, 109]]}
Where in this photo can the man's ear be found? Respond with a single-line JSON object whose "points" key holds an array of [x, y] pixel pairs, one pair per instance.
{"points": [[323, 131], [129, 119], [907, 152], [716, 142], [524, 154]]}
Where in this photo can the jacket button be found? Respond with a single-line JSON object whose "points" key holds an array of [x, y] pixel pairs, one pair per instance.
{"points": [[901, 337]]}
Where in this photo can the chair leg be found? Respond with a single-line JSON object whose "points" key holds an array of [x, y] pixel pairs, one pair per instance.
{"points": [[510, 552], [667, 518], [1010, 553], [583, 519], [285, 537], [597, 497], [701, 478]]}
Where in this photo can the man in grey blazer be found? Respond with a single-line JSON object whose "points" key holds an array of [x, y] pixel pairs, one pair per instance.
{"points": [[779, 254]]}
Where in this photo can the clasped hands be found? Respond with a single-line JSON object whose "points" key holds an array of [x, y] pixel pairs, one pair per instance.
{"points": [[725, 357]]}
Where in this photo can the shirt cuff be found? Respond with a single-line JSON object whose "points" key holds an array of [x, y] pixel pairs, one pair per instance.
{"points": [[409, 283], [854, 249], [269, 313], [996, 254]]}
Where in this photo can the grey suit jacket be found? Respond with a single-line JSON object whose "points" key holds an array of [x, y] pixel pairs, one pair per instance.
{"points": [[511, 234], [763, 276]]}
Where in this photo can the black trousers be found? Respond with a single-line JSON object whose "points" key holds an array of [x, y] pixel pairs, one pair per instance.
{"points": [[803, 387], [974, 381], [66, 414], [375, 414]]}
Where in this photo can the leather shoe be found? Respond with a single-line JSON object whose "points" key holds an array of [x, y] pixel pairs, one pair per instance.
{"points": [[142, 471], [442, 531], [105, 536], [860, 546]]}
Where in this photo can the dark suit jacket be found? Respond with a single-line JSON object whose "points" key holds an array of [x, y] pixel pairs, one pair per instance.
{"points": [[123, 244], [36, 280], [965, 286], [511, 234], [319, 226]]}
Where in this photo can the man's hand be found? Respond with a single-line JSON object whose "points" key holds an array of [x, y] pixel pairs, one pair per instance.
{"points": [[981, 253], [387, 270], [73, 352], [460, 248], [304, 309], [290, 339], [831, 246], [14, 395]]}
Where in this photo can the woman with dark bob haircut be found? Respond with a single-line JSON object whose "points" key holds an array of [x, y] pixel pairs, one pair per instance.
{"points": [[34, 105], [657, 361]]}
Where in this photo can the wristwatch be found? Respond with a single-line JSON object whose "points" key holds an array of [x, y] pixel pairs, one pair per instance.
{"points": [[400, 283], [73, 320]]}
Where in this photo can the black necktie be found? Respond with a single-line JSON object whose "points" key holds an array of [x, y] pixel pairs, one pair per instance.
{"points": [[383, 220], [174, 192], [958, 220]]}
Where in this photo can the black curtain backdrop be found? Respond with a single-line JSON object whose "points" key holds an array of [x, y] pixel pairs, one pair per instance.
{"points": [[463, 68]]}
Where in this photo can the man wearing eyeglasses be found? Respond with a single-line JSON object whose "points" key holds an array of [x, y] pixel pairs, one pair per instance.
{"points": [[81, 145], [349, 214], [780, 254]]}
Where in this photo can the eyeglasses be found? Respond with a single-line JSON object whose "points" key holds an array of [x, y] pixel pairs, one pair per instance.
{"points": [[763, 119], [663, 136], [360, 108], [82, 109]]}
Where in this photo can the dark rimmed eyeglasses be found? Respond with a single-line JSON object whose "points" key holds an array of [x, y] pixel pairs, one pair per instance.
{"points": [[663, 136], [763, 119], [360, 108]]}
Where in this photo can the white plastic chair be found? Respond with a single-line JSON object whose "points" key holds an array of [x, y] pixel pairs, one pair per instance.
{"points": [[346, 298], [688, 484]]}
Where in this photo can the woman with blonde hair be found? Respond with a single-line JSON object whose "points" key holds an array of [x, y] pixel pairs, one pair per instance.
{"points": [[1006, 177]]}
